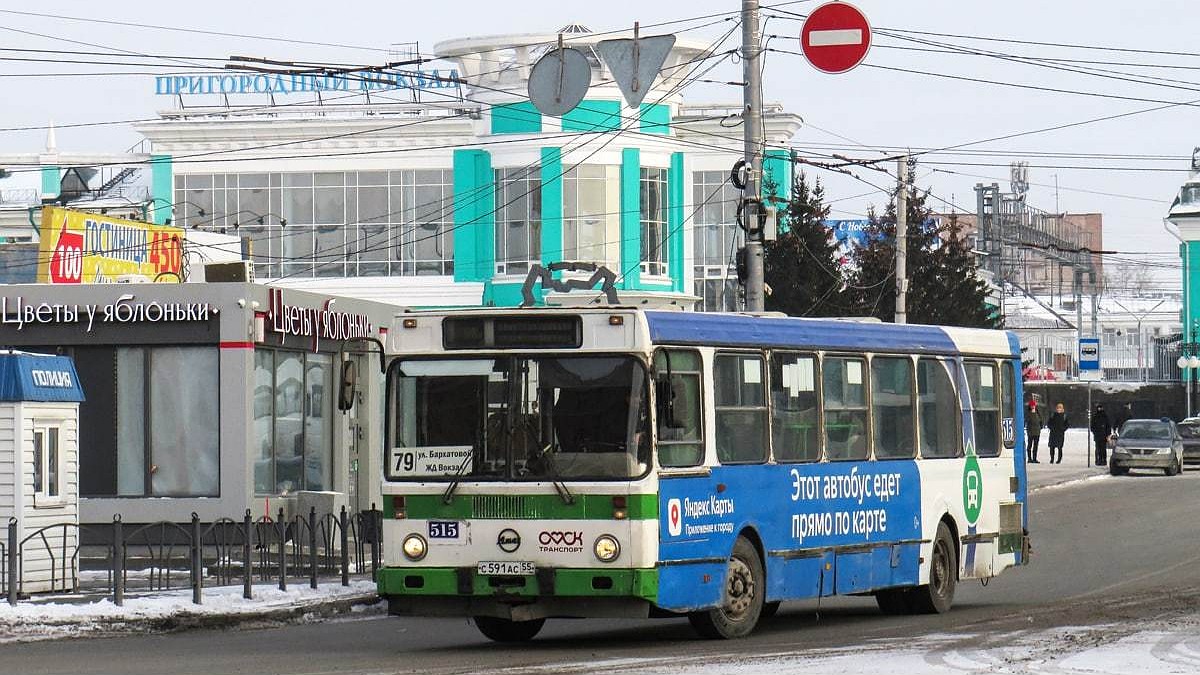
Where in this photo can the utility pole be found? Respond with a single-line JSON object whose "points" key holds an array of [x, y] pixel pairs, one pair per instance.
{"points": [[902, 240], [752, 129]]}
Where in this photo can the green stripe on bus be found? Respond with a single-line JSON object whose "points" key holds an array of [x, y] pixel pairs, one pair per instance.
{"points": [[590, 582], [523, 507]]}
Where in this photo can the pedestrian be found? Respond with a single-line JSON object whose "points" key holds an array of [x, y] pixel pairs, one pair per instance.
{"points": [[1101, 429], [1033, 430], [1057, 424], [1121, 416]]}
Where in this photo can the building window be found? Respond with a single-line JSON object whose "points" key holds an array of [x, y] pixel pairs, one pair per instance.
{"points": [[655, 235], [353, 223], [716, 240], [591, 214], [292, 409], [47, 462], [168, 422], [518, 220]]}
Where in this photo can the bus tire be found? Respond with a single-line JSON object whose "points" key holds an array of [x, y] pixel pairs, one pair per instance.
{"points": [[507, 630], [742, 599], [894, 601], [937, 596]]}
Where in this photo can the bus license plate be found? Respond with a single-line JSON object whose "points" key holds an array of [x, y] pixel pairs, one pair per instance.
{"points": [[506, 568]]}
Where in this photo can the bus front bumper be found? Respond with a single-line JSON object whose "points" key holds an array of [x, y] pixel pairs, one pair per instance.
{"points": [[551, 592]]}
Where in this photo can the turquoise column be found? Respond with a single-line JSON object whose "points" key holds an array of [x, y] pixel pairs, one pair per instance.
{"points": [[51, 181], [777, 175], [675, 220], [474, 216], [162, 188], [1191, 291], [552, 203], [631, 219]]}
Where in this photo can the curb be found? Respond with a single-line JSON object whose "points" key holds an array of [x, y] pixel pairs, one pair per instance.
{"points": [[56, 629]]}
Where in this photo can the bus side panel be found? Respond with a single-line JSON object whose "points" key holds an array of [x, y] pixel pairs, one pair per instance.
{"points": [[817, 523]]}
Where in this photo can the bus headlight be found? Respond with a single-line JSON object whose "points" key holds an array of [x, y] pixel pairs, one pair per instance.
{"points": [[415, 547], [606, 548]]}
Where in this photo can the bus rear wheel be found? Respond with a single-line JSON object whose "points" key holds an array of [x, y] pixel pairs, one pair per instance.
{"points": [[742, 599], [937, 596], [507, 630]]}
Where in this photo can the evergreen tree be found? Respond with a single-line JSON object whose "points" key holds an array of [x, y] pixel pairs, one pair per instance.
{"points": [[944, 286], [801, 266]]}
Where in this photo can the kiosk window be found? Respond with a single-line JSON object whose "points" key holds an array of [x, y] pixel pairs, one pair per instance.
{"points": [[892, 397], [292, 406], [47, 462], [741, 407], [678, 408], [796, 422], [844, 391]]}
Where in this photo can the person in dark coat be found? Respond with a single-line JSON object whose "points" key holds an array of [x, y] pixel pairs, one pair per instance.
{"points": [[1121, 416], [1057, 424], [1033, 431], [1101, 429]]}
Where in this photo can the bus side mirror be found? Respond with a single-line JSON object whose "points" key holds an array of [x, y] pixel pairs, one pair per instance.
{"points": [[664, 402], [348, 385]]}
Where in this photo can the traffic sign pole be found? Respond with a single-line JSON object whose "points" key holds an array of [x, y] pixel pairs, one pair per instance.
{"points": [[752, 135]]}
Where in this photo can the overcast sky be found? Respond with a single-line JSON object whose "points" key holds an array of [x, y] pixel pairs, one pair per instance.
{"points": [[870, 106]]}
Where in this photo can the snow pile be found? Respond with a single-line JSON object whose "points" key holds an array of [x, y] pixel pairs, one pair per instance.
{"points": [[49, 620]]}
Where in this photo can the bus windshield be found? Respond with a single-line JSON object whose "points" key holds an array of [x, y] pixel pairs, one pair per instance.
{"points": [[518, 418]]}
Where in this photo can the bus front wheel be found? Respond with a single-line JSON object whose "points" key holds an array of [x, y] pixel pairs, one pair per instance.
{"points": [[937, 596], [507, 630], [742, 598]]}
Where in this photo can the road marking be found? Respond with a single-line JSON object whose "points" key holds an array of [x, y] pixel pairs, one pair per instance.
{"points": [[835, 38]]}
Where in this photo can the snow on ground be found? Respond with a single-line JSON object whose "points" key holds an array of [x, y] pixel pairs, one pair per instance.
{"points": [[1150, 648], [67, 617]]}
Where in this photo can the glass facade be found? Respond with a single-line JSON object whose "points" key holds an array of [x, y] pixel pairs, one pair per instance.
{"points": [[352, 223], [717, 238], [591, 214], [655, 247], [518, 219]]}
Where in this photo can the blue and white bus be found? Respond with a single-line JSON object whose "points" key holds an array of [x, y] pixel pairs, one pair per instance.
{"points": [[616, 462]]}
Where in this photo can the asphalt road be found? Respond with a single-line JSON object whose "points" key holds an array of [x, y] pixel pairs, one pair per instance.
{"points": [[1111, 550]]}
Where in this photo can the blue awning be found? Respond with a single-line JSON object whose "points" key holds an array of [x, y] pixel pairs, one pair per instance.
{"points": [[38, 377]]}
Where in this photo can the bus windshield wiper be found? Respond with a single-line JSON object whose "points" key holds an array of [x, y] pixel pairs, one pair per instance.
{"points": [[448, 495], [552, 468]]}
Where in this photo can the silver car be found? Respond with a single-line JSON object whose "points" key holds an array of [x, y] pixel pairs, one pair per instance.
{"points": [[1147, 444]]}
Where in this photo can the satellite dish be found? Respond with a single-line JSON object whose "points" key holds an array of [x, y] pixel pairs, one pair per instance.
{"points": [[559, 80]]}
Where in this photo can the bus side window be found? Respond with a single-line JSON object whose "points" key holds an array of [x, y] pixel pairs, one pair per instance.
{"points": [[795, 421], [985, 407], [844, 391], [937, 410], [741, 408], [678, 408], [892, 401], [1008, 406]]}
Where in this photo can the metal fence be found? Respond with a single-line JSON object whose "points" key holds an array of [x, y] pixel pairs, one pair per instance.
{"points": [[168, 555]]}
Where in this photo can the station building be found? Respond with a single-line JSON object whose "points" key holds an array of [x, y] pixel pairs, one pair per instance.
{"points": [[441, 187]]}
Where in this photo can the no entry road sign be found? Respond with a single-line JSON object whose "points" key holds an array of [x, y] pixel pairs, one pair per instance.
{"points": [[835, 37]]}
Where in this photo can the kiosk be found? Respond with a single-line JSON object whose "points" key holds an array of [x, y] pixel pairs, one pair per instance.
{"points": [[39, 467]]}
